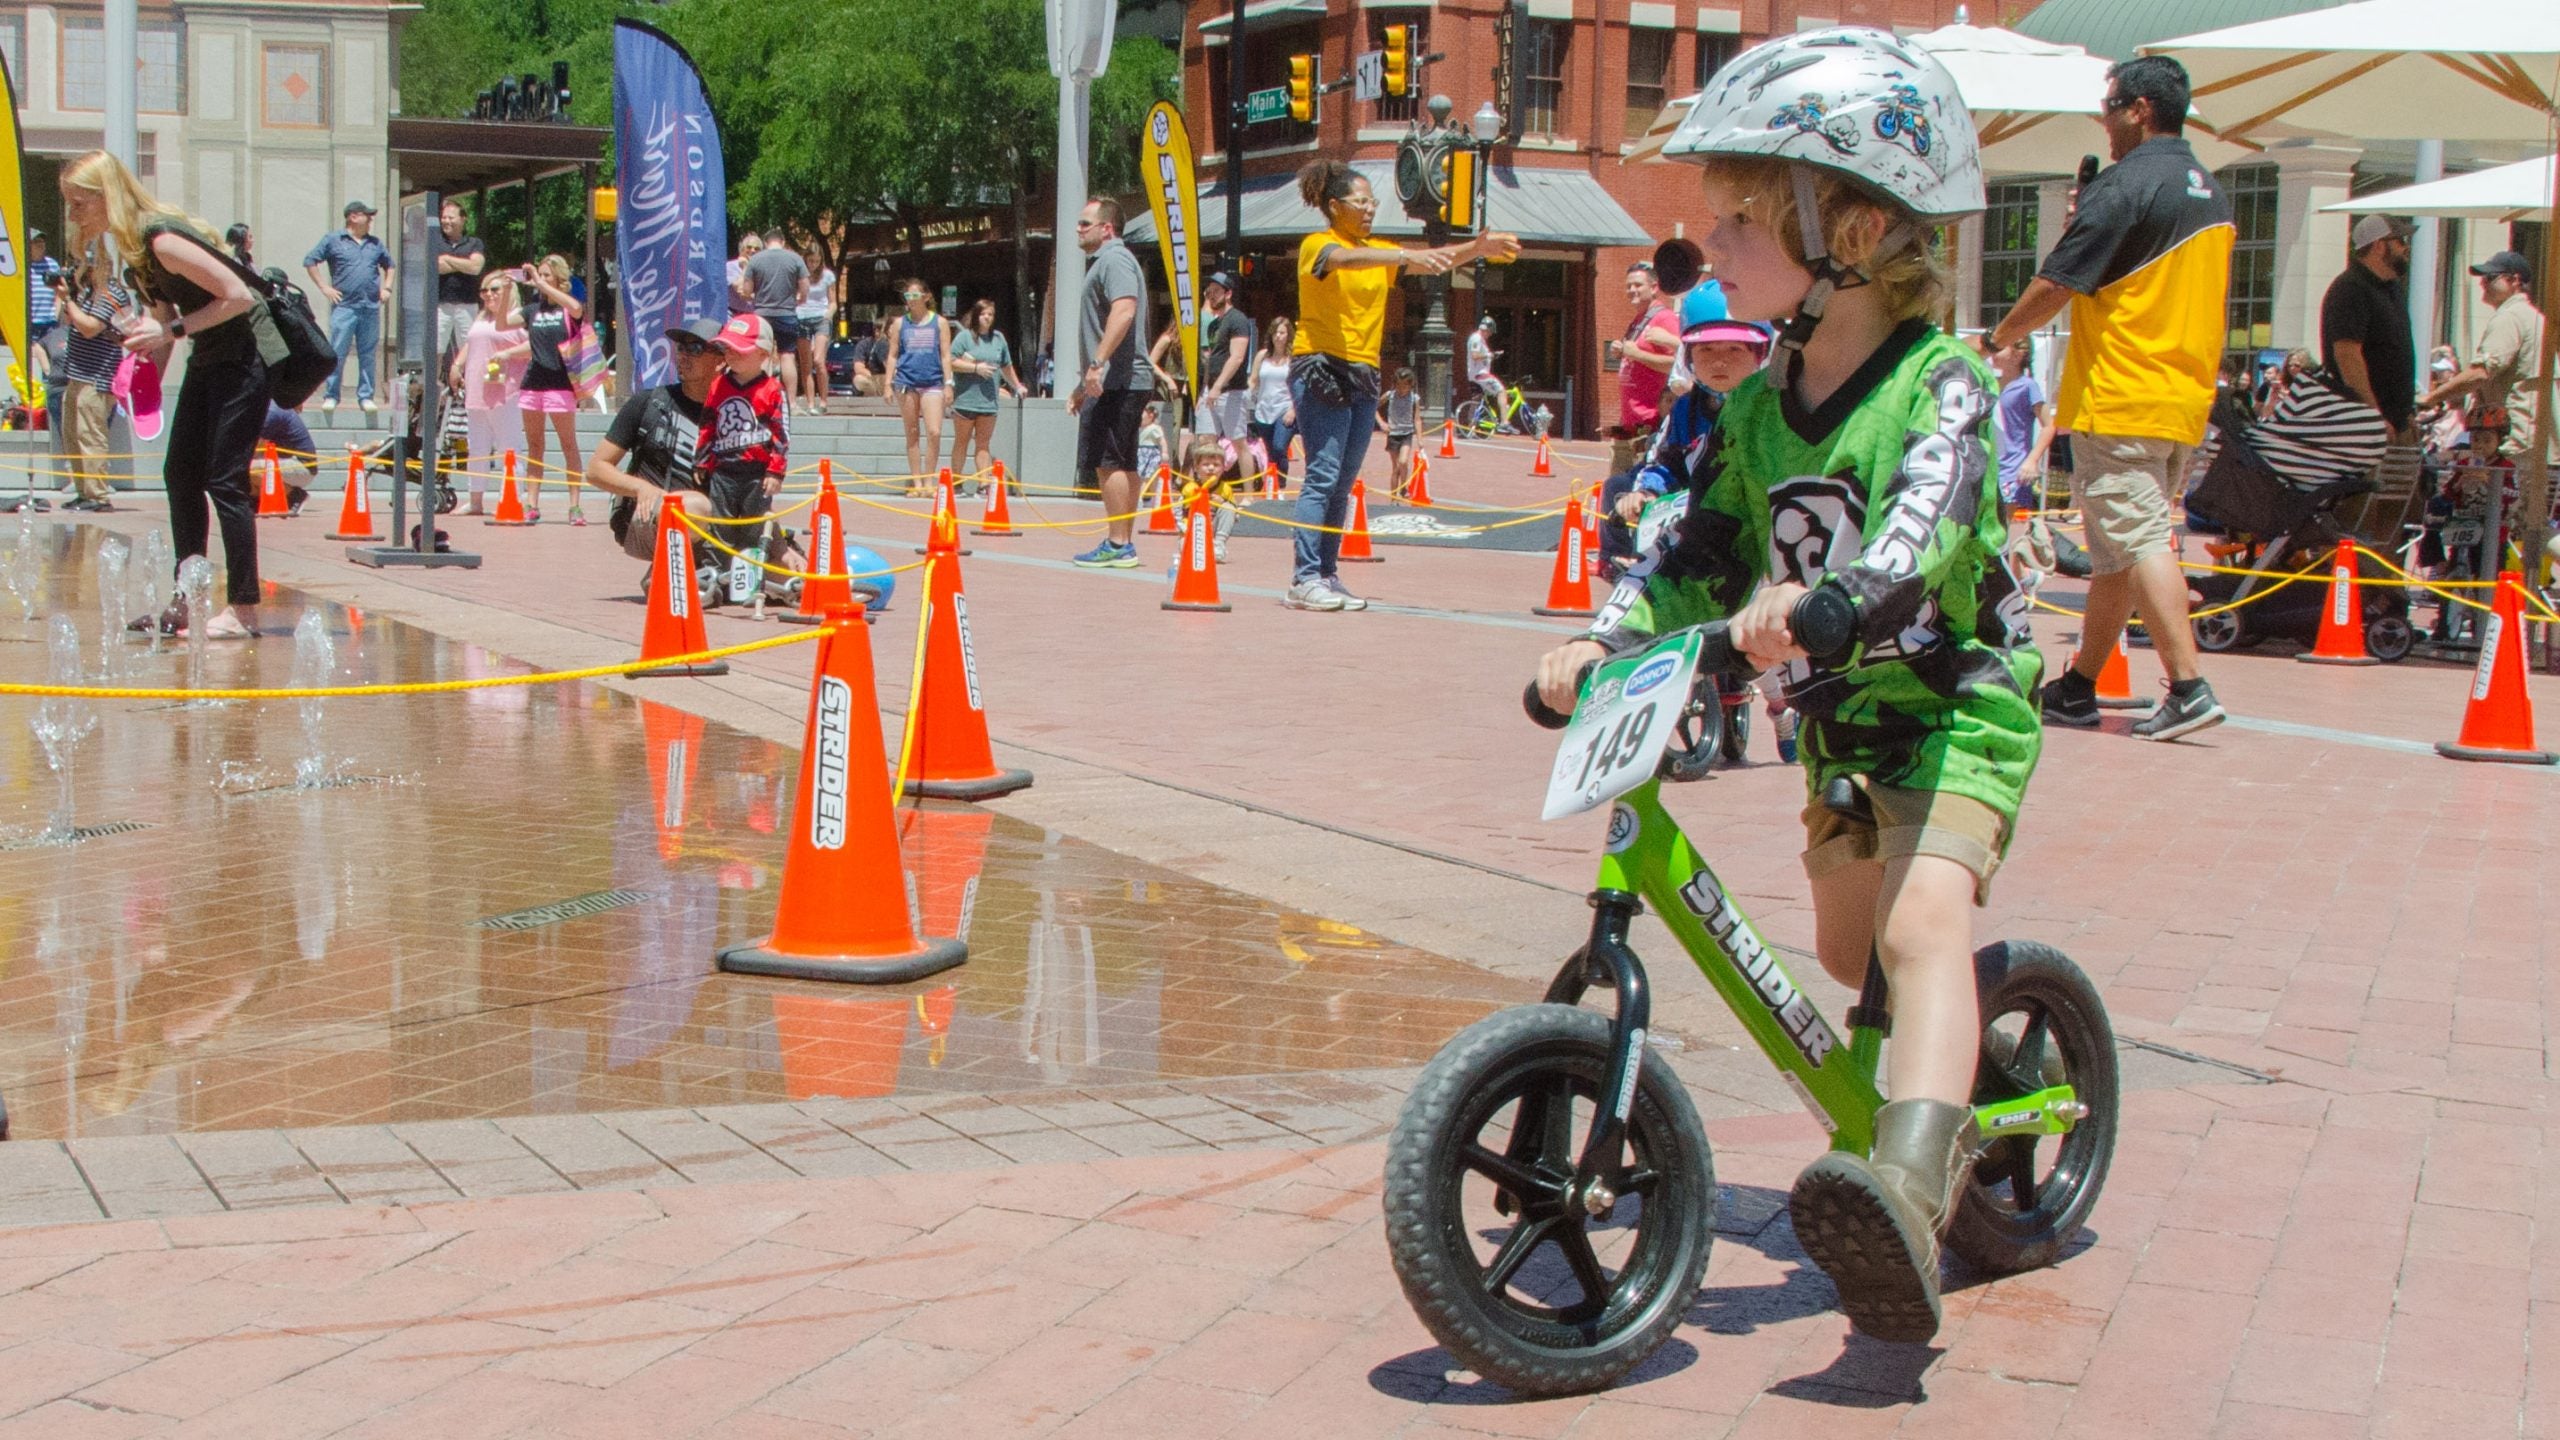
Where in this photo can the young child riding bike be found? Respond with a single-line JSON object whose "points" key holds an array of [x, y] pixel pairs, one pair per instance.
{"points": [[1860, 463]]}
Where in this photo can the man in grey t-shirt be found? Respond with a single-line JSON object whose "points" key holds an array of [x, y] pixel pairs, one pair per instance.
{"points": [[1111, 402], [777, 280]]}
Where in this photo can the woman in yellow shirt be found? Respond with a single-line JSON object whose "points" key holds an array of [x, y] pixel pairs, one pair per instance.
{"points": [[1344, 278]]}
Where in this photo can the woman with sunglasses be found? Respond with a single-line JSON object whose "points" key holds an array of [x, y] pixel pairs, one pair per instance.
{"points": [[487, 367], [550, 316], [1345, 276], [920, 376]]}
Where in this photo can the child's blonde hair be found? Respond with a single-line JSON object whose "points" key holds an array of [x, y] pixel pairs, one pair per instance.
{"points": [[1914, 280], [1206, 447]]}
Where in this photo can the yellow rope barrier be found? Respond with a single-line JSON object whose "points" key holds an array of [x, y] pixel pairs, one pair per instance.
{"points": [[421, 687], [915, 687], [772, 569]]}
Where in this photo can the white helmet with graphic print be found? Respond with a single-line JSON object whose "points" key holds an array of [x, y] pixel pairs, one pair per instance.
{"points": [[1862, 102]]}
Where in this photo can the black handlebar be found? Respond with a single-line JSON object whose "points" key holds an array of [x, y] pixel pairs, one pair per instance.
{"points": [[1825, 625]]}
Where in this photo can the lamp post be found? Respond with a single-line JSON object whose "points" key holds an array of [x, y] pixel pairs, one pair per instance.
{"points": [[1487, 125], [1436, 337]]}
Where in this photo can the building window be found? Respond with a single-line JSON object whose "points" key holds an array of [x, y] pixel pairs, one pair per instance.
{"points": [[2252, 303], [296, 86], [1714, 53], [160, 79], [1418, 38], [2008, 248], [1542, 62], [1648, 78], [13, 51], [1266, 67]]}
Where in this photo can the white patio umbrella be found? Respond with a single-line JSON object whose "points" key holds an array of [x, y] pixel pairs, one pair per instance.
{"points": [[2400, 69], [2521, 191], [2034, 103]]}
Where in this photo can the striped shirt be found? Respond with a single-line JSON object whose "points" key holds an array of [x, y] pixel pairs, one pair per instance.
{"points": [[2317, 436], [92, 359], [42, 308]]}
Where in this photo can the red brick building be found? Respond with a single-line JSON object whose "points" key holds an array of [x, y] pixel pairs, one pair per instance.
{"points": [[1597, 73]]}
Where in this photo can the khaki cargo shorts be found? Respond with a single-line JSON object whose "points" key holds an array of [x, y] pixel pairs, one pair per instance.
{"points": [[2123, 485], [1908, 822]]}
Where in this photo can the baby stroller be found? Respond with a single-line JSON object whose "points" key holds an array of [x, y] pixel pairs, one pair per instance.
{"points": [[2270, 525]]}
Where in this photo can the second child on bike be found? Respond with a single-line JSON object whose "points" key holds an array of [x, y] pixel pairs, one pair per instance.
{"points": [[1860, 463]]}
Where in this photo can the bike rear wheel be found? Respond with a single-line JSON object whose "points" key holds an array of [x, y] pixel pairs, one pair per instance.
{"points": [[1471, 419], [1507, 1266], [2042, 1025]]}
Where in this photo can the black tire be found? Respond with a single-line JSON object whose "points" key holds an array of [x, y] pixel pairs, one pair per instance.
{"points": [[2029, 1195], [1736, 739], [2389, 638], [2220, 634], [1697, 737], [1449, 1220]]}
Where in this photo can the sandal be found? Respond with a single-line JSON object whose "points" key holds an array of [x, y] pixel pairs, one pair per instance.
{"points": [[226, 626]]}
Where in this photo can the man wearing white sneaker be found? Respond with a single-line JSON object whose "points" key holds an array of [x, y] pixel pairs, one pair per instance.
{"points": [[356, 282]]}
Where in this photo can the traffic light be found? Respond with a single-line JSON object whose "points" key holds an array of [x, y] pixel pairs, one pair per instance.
{"points": [[1302, 89], [1399, 67], [1458, 191]]}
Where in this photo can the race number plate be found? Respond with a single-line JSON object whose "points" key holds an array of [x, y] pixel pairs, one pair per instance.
{"points": [[1664, 512], [1620, 728], [2464, 532]]}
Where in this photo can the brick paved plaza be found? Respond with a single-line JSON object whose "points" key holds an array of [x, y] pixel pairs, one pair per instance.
{"points": [[307, 1147]]}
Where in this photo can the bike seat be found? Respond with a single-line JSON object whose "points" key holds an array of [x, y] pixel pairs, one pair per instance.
{"points": [[1842, 797]]}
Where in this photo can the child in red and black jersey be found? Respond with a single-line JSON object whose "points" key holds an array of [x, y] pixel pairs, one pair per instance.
{"points": [[745, 445]]}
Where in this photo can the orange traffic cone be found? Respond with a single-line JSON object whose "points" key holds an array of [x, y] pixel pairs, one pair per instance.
{"points": [[1541, 463], [2115, 681], [2498, 723], [1448, 439], [946, 514], [998, 519], [1195, 575], [510, 509], [2341, 638], [272, 504], [1569, 588], [825, 587], [1355, 536], [1160, 519], [675, 607], [948, 754], [842, 913], [355, 511], [1418, 491]]}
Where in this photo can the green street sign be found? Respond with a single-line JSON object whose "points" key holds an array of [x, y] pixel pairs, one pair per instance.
{"points": [[1271, 104]]}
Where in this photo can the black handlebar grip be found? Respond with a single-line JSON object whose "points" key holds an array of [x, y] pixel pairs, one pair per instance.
{"points": [[1547, 719], [1825, 623]]}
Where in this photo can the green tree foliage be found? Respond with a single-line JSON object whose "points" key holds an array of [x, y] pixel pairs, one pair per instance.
{"points": [[832, 112]]}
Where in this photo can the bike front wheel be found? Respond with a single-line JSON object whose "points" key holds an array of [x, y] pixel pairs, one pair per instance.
{"points": [[2042, 1025], [1533, 1282], [1471, 418]]}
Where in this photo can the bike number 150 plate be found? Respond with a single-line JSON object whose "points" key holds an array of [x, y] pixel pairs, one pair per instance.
{"points": [[1620, 728]]}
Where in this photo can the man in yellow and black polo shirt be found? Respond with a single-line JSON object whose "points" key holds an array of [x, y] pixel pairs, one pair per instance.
{"points": [[2143, 265]]}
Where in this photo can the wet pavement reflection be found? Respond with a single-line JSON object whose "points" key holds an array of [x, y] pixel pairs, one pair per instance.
{"points": [[505, 902]]}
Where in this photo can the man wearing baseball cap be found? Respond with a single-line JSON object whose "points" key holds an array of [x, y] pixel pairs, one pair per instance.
{"points": [[356, 282], [2500, 376], [1226, 343], [2364, 323], [649, 448]]}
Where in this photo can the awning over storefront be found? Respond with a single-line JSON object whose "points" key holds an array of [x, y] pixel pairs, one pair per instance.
{"points": [[1542, 207], [1260, 14]]}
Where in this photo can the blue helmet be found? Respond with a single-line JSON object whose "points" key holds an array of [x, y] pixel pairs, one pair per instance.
{"points": [[870, 575], [1704, 302]]}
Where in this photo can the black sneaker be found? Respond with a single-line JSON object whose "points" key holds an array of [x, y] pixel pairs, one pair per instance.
{"points": [[2180, 715], [2071, 698]]}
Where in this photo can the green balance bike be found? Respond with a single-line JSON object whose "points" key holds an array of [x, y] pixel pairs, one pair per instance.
{"points": [[1550, 1195]]}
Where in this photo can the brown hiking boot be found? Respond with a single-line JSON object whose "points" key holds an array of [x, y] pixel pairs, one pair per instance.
{"points": [[1872, 1223]]}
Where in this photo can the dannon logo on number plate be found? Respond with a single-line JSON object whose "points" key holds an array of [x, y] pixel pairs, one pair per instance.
{"points": [[827, 776], [1651, 674]]}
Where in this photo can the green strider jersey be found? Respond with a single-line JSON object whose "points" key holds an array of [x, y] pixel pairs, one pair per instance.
{"points": [[1887, 491]]}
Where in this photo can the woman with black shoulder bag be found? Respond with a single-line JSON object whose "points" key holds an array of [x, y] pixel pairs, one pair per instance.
{"points": [[192, 292]]}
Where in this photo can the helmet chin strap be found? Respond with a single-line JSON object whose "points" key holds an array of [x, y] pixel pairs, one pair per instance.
{"points": [[1829, 275]]}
